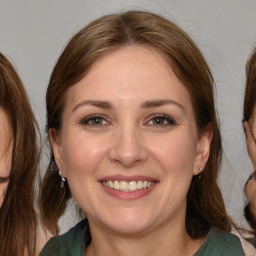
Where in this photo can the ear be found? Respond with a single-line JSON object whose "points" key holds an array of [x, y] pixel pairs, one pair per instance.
{"points": [[57, 149], [203, 149]]}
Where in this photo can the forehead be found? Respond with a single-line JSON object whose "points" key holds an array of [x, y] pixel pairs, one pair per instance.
{"points": [[129, 73]]}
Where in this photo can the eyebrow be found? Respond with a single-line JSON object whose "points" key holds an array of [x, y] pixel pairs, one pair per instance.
{"points": [[96, 103], [159, 103], [146, 104]]}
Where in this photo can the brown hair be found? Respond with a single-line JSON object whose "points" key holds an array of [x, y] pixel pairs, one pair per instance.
{"points": [[18, 220], [250, 89], [205, 206]]}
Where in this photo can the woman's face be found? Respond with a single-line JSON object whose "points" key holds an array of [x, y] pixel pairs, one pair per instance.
{"points": [[129, 144], [6, 146]]}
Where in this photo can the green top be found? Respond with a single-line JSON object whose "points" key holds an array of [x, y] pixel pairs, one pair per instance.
{"points": [[217, 243]]}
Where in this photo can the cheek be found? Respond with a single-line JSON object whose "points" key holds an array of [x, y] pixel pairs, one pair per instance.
{"points": [[176, 153], [5, 169], [3, 188], [250, 190], [82, 154], [5, 164]]}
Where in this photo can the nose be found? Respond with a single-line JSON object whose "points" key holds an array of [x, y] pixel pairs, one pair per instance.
{"points": [[128, 147]]}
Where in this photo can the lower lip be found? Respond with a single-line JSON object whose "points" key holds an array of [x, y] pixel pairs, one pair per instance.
{"points": [[128, 195]]}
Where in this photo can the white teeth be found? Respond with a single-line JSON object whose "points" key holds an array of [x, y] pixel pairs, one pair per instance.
{"points": [[139, 184], [111, 184], [127, 186], [124, 186], [116, 184], [149, 184], [133, 186]]}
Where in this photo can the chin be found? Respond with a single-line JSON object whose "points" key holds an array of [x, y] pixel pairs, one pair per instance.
{"points": [[129, 224]]}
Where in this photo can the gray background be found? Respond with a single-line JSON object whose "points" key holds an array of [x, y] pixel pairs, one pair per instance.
{"points": [[34, 32]]}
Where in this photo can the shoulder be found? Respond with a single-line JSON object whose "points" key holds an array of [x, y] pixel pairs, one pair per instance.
{"points": [[67, 244], [247, 242], [219, 242]]}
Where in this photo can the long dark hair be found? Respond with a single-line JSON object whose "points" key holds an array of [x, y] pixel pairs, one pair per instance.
{"points": [[18, 218], [205, 206]]}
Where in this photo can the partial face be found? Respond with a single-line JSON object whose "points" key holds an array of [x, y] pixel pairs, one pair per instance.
{"points": [[6, 146], [250, 192], [129, 144], [250, 188]]}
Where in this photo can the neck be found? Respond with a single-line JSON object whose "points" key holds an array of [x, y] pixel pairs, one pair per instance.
{"points": [[169, 240]]}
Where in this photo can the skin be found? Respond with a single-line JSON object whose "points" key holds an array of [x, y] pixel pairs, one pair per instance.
{"points": [[6, 146], [250, 130], [132, 136]]}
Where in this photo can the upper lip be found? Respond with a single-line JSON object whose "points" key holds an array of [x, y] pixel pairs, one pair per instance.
{"points": [[128, 178]]}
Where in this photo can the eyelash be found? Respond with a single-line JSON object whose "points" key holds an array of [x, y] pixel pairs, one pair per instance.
{"points": [[90, 119], [168, 121], [99, 118]]}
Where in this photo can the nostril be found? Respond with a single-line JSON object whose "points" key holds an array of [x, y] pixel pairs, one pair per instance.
{"points": [[127, 157], [128, 147]]}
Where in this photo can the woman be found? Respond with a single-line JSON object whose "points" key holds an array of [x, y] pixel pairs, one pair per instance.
{"points": [[18, 166], [250, 130], [135, 140]]}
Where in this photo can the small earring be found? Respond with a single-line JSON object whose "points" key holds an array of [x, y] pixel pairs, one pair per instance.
{"points": [[199, 172], [62, 183]]}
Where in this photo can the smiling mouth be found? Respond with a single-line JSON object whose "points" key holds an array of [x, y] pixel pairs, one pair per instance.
{"points": [[128, 186]]}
